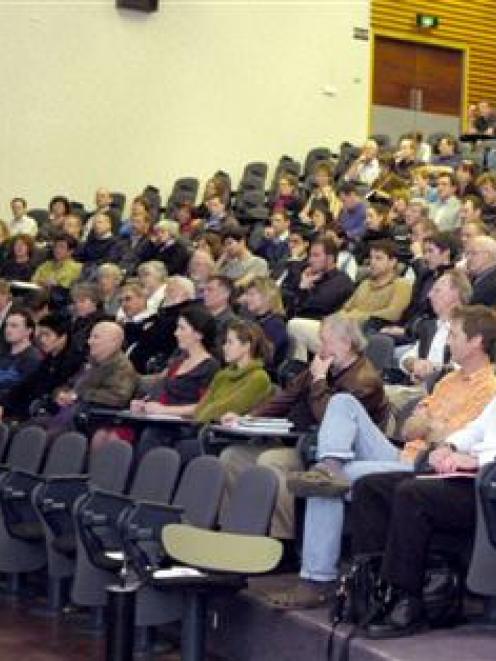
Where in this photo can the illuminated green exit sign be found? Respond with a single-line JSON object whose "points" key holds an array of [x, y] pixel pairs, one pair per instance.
{"points": [[427, 21]]}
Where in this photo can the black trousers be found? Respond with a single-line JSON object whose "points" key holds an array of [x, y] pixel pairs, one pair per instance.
{"points": [[400, 515]]}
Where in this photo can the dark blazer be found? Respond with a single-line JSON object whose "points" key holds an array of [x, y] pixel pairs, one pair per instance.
{"points": [[484, 288], [425, 334], [326, 296]]}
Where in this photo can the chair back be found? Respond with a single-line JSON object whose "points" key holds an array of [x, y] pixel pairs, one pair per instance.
{"points": [[66, 455], [252, 502], [200, 490], [156, 475], [109, 466], [27, 449]]}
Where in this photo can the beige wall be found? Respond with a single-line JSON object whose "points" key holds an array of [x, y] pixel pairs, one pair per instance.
{"points": [[94, 96]]}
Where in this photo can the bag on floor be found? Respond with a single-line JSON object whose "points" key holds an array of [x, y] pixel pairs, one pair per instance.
{"points": [[362, 594], [360, 591]]}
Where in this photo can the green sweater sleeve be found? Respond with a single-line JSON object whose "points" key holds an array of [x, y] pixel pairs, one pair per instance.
{"points": [[239, 397]]}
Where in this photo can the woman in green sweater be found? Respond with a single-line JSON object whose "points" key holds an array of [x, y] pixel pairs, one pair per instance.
{"points": [[238, 387]]}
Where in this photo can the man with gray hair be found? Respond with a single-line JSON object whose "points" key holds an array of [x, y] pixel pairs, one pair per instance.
{"points": [[339, 366], [152, 277], [481, 265], [169, 248], [157, 338]]}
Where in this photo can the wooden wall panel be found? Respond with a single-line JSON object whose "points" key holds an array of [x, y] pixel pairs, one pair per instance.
{"points": [[463, 22]]}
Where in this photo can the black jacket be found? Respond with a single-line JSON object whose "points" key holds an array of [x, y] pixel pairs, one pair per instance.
{"points": [[326, 296]]}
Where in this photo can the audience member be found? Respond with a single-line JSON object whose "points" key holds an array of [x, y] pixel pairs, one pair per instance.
{"points": [[181, 385], [152, 277], [60, 363], [155, 338], [429, 355], [136, 246], [86, 312], [352, 217], [340, 366], [217, 297], [169, 248], [323, 191], [446, 153], [103, 205], [61, 270], [236, 261], [201, 268], [365, 169], [73, 225], [19, 264], [109, 278], [383, 296], [397, 515], [446, 211], [20, 357], [58, 209], [322, 289], [263, 301], [101, 246], [274, 246], [350, 446], [109, 380], [21, 223], [481, 265], [487, 187], [287, 197]]}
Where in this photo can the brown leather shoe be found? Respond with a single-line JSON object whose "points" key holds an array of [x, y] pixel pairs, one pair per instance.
{"points": [[317, 482], [306, 594]]}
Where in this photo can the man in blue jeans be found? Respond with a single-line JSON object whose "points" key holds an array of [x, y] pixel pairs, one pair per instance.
{"points": [[350, 446]]}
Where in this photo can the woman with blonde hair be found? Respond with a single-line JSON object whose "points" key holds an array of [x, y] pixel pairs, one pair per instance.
{"points": [[263, 301]]}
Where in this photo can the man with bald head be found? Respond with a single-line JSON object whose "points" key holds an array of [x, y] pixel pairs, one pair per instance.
{"points": [[481, 265], [108, 379]]}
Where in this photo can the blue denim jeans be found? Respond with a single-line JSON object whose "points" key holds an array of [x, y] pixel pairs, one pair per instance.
{"points": [[346, 433]]}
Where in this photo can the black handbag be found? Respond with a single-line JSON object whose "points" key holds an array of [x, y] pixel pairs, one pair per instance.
{"points": [[362, 594]]}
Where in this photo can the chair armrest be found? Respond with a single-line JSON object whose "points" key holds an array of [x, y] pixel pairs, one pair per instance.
{"points": [[18, 485], [60, 493]]}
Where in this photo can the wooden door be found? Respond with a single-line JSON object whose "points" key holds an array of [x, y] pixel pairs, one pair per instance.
{"points": [[416, 86]]}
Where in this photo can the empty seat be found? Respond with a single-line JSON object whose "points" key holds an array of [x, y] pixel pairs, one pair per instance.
{"points": [[97, 516], [184, 190], [108, 470], [22, 542], [257, 169], [26, 451]]}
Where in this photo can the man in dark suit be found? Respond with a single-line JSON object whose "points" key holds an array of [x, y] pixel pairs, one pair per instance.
{"points": [[481, 264]]}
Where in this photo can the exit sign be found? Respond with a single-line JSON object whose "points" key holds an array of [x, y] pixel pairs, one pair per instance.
{"points": [[427, 21]]}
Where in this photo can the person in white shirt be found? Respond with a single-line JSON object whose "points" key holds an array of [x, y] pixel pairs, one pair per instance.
{"points": [[21, 223], [152, 277], [449, 291], [366, 168], [398, 515]]}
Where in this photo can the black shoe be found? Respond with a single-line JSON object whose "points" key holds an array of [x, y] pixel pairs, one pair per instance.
{"points": [[405, 617]]}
